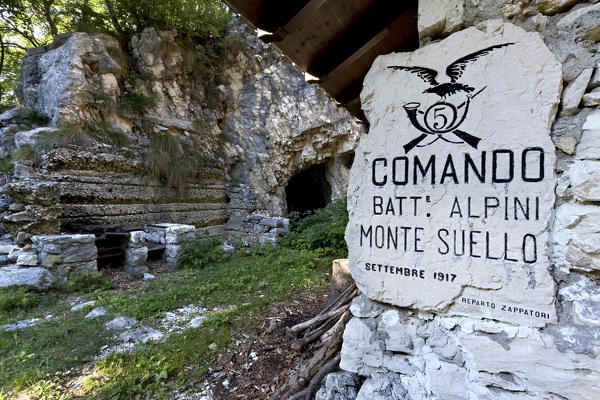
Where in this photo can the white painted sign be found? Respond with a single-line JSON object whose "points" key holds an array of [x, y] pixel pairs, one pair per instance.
{"points": [[451, 192]]}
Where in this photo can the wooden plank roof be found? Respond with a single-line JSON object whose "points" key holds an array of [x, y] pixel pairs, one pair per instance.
{"points": [[335, 41]]}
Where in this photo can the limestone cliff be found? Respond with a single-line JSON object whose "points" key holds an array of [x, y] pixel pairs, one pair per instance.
{"points": [[237, 136]]}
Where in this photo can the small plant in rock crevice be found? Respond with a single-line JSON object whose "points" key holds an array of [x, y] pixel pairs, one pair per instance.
{"points": [[168, 163], [27, 153], [32, 117], [6, 164], [67, 134]]}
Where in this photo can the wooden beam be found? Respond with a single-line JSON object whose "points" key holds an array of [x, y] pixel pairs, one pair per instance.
{"points": [[345, 81], [373, 21]]}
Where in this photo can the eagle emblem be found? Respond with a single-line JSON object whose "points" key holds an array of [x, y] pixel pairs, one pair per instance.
{"points": [[443, 116]]}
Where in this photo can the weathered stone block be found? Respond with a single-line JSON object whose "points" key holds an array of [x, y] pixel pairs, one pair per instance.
{"points": [[7, 248], [588, 147], [584, 295], [567, 144], [575, 237], [585, 180], [382, 387], [121, 323], [363, 307], [582, 22], [35, 277], [136, 256], [272, 222], [573, 93], [341, 385], [155, 235], [27, 259], [29, 138], [592, 99], [551, 7], [137, 238], [440, 17], [179, 233]]}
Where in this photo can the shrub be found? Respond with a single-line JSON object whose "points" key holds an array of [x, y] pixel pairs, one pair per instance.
{"points": [[136, 103], [200, 253], [87, 281], [321, 230], [12, 299], [33, 117]]}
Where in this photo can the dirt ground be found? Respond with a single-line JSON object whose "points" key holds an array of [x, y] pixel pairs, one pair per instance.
{"points": [[257, 365]]}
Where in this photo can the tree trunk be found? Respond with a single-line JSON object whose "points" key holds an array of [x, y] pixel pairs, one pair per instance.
{"points": [[113, 17], [47, 4], [1, 62]]}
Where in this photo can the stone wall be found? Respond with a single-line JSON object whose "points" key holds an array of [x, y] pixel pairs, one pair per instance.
{"points": [[255, 125], [394, 352]]}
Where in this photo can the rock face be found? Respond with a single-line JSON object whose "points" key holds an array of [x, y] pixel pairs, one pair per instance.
{"points": [[442, 218], [253, 131]]}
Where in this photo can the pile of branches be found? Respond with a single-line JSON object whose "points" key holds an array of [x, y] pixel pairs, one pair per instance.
{"points": [[326, 331]]}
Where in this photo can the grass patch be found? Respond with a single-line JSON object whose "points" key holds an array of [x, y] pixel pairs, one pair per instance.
{"points": [[27, 153], [49, 348], [238, 288], [198, 254], [85, 282], [6, 164], [66, 134], [13, 299], [169, 164], [248, 280], [104, 132]]}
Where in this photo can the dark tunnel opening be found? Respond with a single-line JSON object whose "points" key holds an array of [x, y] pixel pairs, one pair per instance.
{"points": [[308, 190]]}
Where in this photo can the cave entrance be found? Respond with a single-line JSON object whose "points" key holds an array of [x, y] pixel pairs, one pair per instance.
{"points": [[308, 189]]}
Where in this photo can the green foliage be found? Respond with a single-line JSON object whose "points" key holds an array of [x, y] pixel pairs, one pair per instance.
{"points": [[322, 230], [33, 117], [32, 23], [203, 18], [248, 281], [9, 77], [12, 299], [86, 16], [86, 282], [201, 253], [137, 102], [6, 164]]}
